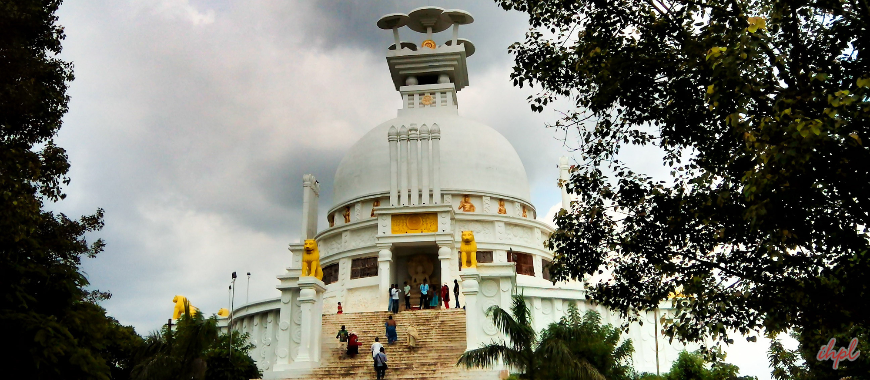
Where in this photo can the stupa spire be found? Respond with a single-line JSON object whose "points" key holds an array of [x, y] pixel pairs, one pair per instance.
{"points": [[428, 76]]}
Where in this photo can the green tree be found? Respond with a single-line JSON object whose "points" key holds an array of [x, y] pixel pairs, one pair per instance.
{"points": [[238, 367], [569, 349], [195, 350], [761, 109], [591, 342], [802, 364], [692, 366], [180, 353], [54, 327]]}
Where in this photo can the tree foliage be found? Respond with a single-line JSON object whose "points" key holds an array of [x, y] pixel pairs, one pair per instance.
{"points": [[802, 364], [692, 366], [55, 328], [194, 350], [574, 348], [235, 364], [761, 109]]}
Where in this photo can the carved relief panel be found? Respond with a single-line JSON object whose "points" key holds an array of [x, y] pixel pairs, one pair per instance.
{"points": [[483, 231], [414, 223]]}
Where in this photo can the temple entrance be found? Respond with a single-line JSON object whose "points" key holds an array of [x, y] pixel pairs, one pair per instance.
{"points": [[415, 263]]}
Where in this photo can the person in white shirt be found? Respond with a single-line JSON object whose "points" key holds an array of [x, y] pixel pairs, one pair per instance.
{"points": [[376, 347], [407, 290], [394, 298]]}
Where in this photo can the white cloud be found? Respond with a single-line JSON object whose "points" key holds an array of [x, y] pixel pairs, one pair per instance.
{"points": [[177, 10]]}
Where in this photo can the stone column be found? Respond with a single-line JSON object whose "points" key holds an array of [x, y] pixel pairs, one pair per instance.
{"points": [[311, 300], [289, 294], [473, 316], [424, 146], [403, 166], [310, 196], [393, 138], [414, 141], [445, 255], [385, 258], [564, 177], [435, 134]]}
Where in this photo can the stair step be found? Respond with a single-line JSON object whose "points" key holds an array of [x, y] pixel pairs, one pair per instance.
{"points": [[442, 341]]}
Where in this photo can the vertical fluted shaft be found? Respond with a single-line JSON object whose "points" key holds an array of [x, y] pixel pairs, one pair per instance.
{"points": [[393, 138], [424, 154], [403, 166], [414, 141], [435, 135]]}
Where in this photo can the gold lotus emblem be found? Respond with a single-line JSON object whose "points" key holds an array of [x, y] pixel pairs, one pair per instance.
{"points": [[427, 100], [429, 44]]}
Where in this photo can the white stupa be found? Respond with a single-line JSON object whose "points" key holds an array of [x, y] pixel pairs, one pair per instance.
{"points": [[403, 195]]}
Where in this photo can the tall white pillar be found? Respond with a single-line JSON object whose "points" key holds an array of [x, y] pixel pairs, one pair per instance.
{"points": [[564, 177], [310, 199], [436, 163], [385, 258], [473, 315], [445, 256], [311, 302], [424, 147], [414, 141], [403, 166], [393, 138]]}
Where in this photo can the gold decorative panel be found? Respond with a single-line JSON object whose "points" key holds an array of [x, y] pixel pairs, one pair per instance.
{"points": [[414, 223]]}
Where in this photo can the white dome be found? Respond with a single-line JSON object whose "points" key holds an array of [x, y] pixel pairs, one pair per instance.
{"points": [[474, 159]]}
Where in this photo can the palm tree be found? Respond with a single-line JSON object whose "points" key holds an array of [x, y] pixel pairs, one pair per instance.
{"points": [[596, 346], [177, 354], [561, 352]]}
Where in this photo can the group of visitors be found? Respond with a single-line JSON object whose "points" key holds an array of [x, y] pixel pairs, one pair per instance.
{"points": [[427, 298], [351, 339], [379, 355]]}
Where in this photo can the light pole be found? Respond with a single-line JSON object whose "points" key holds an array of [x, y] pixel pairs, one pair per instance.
{"points": [[232, 298], [248, 292]]}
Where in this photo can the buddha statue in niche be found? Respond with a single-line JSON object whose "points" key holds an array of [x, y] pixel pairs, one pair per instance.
{"points": [[331, 219], [501, 209], [375, 204], [465, 204], [524, 212], [347, 214]]}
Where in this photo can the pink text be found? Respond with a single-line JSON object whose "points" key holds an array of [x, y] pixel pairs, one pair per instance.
{"points": [[829, 353]]}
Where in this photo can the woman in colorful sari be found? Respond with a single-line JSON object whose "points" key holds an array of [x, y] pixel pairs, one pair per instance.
{"points": [[392, 337]]}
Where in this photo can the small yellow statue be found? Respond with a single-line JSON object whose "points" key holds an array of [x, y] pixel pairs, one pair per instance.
{"points": [[347, 214], [465, 204], [223, 312], [468, 249], [501, 209], [180, 303], [331, 219], [524, 212], [375, 204], [311, 260]]}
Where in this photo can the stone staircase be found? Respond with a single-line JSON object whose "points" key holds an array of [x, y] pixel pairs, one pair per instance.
{"points": [[441, 342]]}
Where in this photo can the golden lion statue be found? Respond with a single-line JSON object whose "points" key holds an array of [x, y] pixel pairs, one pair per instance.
{"points": [[180, 302], [311, 260], [468, 249], [223, 312]]}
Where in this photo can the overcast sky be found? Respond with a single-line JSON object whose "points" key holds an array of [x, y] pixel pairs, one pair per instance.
{"points": [[192, 122]]}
